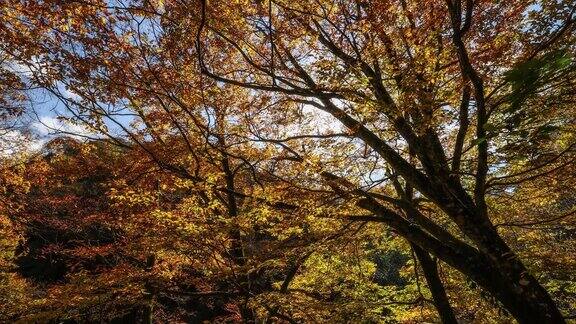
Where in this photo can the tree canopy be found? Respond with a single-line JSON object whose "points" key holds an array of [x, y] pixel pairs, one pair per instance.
{"points": [[289, 161]]}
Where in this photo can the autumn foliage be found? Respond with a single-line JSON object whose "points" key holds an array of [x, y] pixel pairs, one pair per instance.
{"points": [[288, 161]]}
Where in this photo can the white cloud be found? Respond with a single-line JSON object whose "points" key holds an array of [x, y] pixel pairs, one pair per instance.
{"points": [[33, 67], [47, 126], [68, 94], [14, 141]]}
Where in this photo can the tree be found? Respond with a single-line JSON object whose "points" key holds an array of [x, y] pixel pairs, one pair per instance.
{"points": [[404, 81], [438, 113]]}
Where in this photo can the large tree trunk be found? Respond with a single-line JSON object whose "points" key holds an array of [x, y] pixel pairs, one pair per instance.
{"points": [[534, 304], [506, 278], [526, 300], [497, 269], [530, 302], [492, 265]]}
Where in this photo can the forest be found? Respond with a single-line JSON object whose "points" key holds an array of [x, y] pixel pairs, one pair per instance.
{"points": [[310, 161]]}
